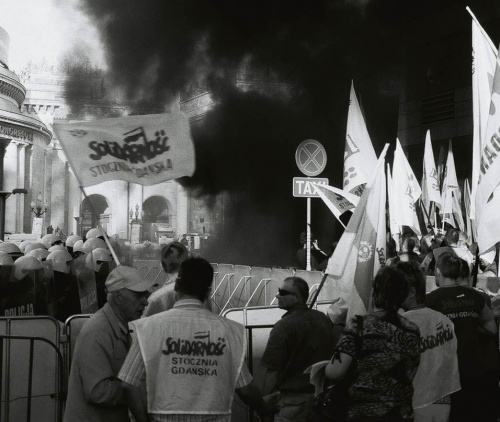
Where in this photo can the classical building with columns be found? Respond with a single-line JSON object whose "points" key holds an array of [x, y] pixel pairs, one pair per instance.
{"points": [[24, 139], [30, 103]]}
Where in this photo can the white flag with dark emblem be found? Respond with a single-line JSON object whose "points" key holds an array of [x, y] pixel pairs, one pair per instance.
{"points": [[337, 200], [359, 155], [430, 173], [487, 198], [484, 58], [406, 190], [146, 149], [450, 183], [361, 250]]}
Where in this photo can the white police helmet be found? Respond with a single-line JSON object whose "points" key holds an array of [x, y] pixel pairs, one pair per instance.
{"points": [[60, 261], [95, 258], [24, 265], [72, 239], [92, 244], [95, 232], [5, 259], [40, 254], [34, 245], [50, 239], [57, 248]]}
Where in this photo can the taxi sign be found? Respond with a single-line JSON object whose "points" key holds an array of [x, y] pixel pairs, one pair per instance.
{"points": [[302, 186], [310, 157]]}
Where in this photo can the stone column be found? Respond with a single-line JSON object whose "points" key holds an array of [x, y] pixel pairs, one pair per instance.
{"points": [[21, 157], [3, 145], [67, 175], [181, 223], [48, 184], [27, 214]]}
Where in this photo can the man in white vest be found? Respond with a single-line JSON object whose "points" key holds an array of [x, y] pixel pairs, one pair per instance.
{"points": [[190, 359], [437, 376]]}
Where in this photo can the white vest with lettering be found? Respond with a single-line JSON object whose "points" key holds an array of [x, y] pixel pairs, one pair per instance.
{"points": [[193, 358], [437, 375]]}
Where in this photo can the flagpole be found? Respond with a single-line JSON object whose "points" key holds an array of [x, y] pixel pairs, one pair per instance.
{"points": [[106, 238], [316, 293], [426, 214], [475, 270]]}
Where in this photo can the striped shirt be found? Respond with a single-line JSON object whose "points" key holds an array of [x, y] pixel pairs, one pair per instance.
{"points": [[133, 372]]}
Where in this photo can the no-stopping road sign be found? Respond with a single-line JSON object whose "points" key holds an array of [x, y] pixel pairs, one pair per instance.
{"points": [[310, 157]]}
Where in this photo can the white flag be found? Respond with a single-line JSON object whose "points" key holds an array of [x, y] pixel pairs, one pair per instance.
{"points": [[430, 173], [359, 155], [361, 249], [450, 183], [487, 194], [146, 149], [406, 190], [337, 200], [394, 225], [484, 59]]}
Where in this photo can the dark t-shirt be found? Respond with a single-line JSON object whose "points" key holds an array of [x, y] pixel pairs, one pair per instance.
{"points": [[466, 308], [302, 337]]}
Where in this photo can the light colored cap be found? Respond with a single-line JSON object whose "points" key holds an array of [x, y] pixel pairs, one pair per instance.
{"points": [[123, 277]]}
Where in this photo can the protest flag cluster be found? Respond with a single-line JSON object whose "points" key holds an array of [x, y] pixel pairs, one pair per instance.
{"points": [[442, 199], [156, 148]]}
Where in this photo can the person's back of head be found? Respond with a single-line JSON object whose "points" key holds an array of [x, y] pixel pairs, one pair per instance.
{"points": [[448, 266], [195, 278], [452, 236], [415, 277], [464, 276], [463, 240], [408, 245], [172, 255], [390, 289]]}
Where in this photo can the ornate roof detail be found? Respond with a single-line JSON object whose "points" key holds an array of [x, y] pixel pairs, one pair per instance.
{"points": [[13, 91]]}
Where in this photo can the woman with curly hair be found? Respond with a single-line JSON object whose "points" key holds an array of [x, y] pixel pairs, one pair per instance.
{"points": [[379, 353]]}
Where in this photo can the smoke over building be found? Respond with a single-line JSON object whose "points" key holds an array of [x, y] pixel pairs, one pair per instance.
{"points": [[246, 140]]}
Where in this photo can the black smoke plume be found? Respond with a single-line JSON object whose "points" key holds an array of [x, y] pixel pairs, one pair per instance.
{"points": [[245, 145]]}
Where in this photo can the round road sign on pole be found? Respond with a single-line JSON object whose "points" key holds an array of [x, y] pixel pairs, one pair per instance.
{"points": [[310, 157]]}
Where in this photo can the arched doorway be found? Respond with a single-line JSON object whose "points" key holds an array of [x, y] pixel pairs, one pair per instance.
{"points": [[88, 219], [156, 215]]}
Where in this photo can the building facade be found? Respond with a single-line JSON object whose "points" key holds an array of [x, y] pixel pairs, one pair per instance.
{"points": [[47, 93]]}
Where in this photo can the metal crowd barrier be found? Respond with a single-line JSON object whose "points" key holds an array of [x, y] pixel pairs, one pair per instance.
{"points": [[59, 394]]}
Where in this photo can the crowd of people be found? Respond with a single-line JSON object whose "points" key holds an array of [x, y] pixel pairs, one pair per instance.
{"points": [[160, 353]]}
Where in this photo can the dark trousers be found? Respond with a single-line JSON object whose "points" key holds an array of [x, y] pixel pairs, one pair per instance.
{"points": [[476, 401]]}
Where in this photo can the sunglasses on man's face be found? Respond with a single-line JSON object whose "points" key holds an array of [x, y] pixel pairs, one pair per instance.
{"points": [[283, 292]]}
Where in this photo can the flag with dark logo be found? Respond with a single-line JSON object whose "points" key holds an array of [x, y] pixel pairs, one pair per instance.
{"points": [[146, 149]]}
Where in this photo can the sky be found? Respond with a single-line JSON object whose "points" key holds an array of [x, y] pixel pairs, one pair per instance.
{"points": [[47, 29]]}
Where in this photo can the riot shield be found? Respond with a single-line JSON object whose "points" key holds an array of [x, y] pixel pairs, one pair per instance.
{"points": [[85, 281], [23, 292], [50, 288], [67, 296], [105, 267]]}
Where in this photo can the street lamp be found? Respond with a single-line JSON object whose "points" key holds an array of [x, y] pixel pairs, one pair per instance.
{"points": [[37, 208], [135, 220]]}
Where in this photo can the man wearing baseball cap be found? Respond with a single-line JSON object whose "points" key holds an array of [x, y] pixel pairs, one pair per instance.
{"points": [[94, 391]]}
